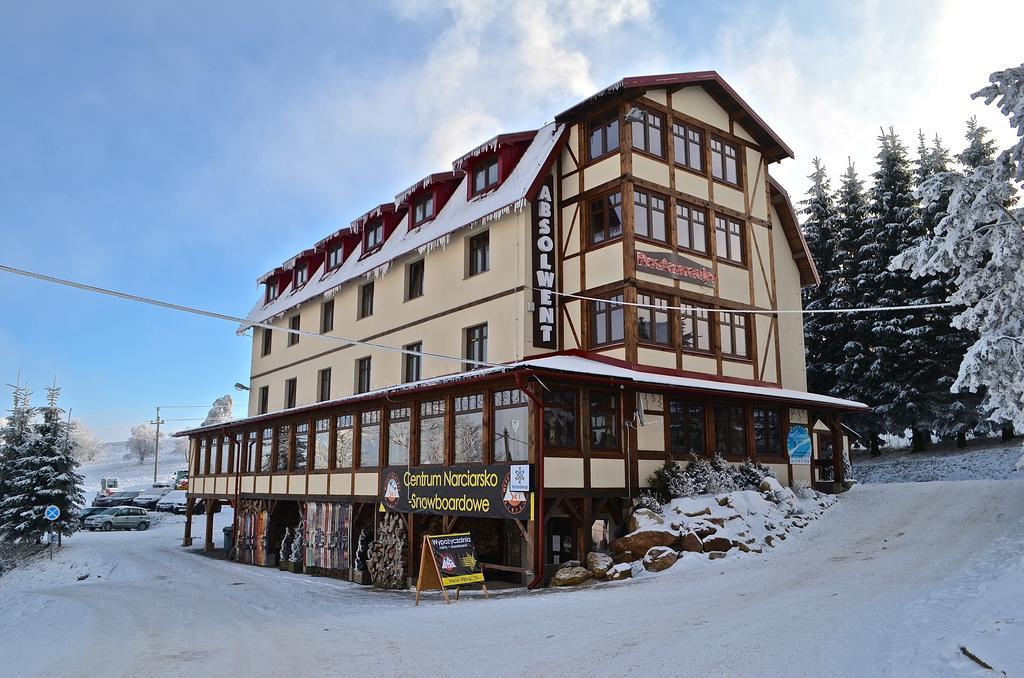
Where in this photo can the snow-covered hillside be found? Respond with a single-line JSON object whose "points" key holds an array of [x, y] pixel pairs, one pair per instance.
{"points": [[130, 474], [995, 462]]}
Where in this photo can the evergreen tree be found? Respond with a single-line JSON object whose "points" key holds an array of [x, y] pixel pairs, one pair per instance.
{"points": [[59, 482], [17, 436], [823, 351], [980, 149]]}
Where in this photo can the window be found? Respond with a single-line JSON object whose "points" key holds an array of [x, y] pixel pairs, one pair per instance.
{"points": [[267, 339], [688, 147], [204, 454], [301, 447], [366, 300], [560, 418], [222, 455], [652, 323], [469, 429], [363, 375], [485, 174], [327, 317], [730, 430], [605, 218], [283, 441], [691, 228], [649, 213], [323, 389], [264, 401], [301, 275], [343, 437], [480, 253], [252, 451], [510, 428], [334, 257], [767, 432], [369, 439], [606, 321], [423, 208], [725, 161], [476, 346], [695, 329], [603, 134], [272, 290], [267, 450], [399, 431], [321, 444], [293, 324], [649, 132], [685, 427], [290, 387], [373, 236], [604, 421], [733, 331], [411, 362], [414, 280], [432, 431], [729, 239]]}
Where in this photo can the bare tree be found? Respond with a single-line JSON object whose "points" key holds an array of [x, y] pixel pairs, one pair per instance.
{"points": [[142, 443]]}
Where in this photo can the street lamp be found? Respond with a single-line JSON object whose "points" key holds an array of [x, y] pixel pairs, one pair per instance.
{"points": [[241, 387]]}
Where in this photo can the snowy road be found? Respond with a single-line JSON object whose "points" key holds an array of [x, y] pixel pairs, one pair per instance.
{"points": [[880, 586]]}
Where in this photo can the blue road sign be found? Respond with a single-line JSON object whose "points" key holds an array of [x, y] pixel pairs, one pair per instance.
{"points": [[52, 513]]}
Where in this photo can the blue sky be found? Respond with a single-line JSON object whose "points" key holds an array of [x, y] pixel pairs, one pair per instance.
{"points": [[180, 149]]}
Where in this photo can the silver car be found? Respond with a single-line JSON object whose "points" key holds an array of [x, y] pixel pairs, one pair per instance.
{"points": [[119, 517]]}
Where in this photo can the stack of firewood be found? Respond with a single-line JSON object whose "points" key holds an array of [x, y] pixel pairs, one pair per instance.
{"points": [[386, 560]]}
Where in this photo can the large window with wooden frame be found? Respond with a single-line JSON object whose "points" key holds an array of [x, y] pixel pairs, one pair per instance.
{"points": [[327, 317], [373, 236], [604, 421], [363, 375], [423, 208], [301, 275], [321, 444], [688, 147], [267, 450], [399, 435], [204, 454], [369, 439], [469, 429], [733, 335], [478, 254], [767, 432], [291, 387], [695, 329], [323, 387], [560, 422], [412, 362], [729, 237], [725, 163], [224, 455], [431, 432], [284, 436], [510, 426], [301, 447], [365, 300], [691, 228], [731, 430], [485, 174], [603, 134], [652, 318], [648, 131], [344, 437], [294, 324], [334, 256], [604, 218], [475, 347], [607, 321], [649, 216], [686, 427], [252, 451], [272, 291], [266, 340], [414, 280], [264, 400]]}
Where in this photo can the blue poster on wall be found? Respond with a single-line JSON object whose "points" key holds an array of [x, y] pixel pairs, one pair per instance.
{"points": [[798, 444]]}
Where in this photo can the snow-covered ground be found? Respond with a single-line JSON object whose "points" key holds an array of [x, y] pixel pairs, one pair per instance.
{"points": [[992, 462], [892, 580], [110, 463]]}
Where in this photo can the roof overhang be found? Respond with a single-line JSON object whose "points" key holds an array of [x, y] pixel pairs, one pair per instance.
{"points": [[794, 234]]}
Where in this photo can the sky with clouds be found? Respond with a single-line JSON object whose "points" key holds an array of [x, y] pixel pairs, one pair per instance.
{"points": [[180, 149]]}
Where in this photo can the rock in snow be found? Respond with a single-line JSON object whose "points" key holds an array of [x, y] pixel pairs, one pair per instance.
{"points": [[570, 576], [599, 564], [659, 558]]}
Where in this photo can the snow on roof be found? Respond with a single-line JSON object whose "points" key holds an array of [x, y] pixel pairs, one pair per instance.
{"points": [[459, 212], [491, 145], [574, 364], [437, 177]]}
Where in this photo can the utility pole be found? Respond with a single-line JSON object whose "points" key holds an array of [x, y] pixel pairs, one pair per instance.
{"points": [[156, 452]]}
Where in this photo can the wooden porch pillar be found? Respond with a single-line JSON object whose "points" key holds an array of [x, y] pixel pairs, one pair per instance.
{"points": [[837, 450], [187, 539], [208, 544]]}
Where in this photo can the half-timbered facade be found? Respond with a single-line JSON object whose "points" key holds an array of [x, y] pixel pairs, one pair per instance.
{"points": [[576, 303]]}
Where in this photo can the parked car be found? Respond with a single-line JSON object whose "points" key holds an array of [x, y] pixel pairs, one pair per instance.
{"points": [[119, 517], [175, 502], [87, 511], [116, 499], [149, 498]]}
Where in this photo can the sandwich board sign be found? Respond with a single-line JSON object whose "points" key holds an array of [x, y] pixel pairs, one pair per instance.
{"points": [[448, 560]]}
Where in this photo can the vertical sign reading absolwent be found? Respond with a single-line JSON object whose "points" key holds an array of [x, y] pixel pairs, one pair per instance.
{"points": [[544, 267]]}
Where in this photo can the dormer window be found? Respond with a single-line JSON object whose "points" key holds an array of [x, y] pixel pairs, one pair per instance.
{"points": [[334, 257], [485, 175], [423, 208], [373, 237], [301, 274], [272, 290]]}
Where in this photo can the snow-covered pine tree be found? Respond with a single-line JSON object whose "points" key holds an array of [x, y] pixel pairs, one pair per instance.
{"points": [[980, 243], [980, 149], [823, 351], [18, 435], [59, 481]]}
